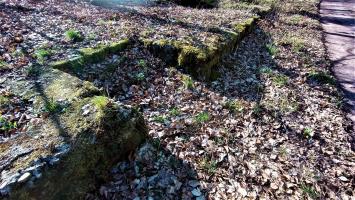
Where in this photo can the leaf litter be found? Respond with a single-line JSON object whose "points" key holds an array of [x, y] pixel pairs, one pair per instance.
{"points": [[264, 129]]}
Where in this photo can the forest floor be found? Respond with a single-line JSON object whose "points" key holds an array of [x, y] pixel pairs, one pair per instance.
{"points": [[271, 127]]}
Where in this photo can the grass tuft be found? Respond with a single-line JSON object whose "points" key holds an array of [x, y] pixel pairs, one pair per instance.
{"points": [[309, 191], [42, 54], [159, 119], [6, 125], [3, 65], [100, 102], [175, 112], [308, 133], [52, 106], [272, 49], [257, 109], [4, 101], [74, 35], [234, 106], [296, 43], [202, 117], [142, 63], [209, 165], [280, 80], [140, 76], [322, 77], [188, 82], [265, 70]]}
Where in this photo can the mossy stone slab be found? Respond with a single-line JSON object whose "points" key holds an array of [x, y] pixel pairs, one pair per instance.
{"points": [[67, 152], [89, 56], [200, 62]]}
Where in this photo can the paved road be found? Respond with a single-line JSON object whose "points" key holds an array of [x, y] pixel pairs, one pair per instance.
{"points": [[338, 20]]}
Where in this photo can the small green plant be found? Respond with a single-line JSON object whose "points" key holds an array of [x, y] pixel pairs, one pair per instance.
{"points": [[160, 119], [272, 49], [42, 54], [322, 77], [280, 80], [286, 104], [140, 76], [188, 82], [73, 35], [171, 71], [234, 106], [257, 109], [100, 101], [52, 106], [3, 65], [308, 132], [146, 33], [175, 112], [19, 53], [209, 165], [295, 19], [219, 140], [6, 125], [142, 63], [339, 102], [4, 101], [296, 43], [309, 191], [283, 151], [101, 22], [265, 70], [202, 117], [92, 36]]}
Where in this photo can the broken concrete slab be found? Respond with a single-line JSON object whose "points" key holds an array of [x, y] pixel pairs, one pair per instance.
{"points": [[80, 136], [200, 61]]}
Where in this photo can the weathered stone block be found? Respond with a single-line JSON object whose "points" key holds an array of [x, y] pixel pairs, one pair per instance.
{"points": [[90, 55], [63, 155], [200, 61]]}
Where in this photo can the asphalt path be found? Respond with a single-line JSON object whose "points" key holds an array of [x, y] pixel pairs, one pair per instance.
{"points": [[338, 21]]}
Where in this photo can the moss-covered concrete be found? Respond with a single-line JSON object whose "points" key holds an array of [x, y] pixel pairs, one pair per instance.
{"points": [[200, 61], [98, 142], [98, 131], [260, 9], [90, 55]]}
